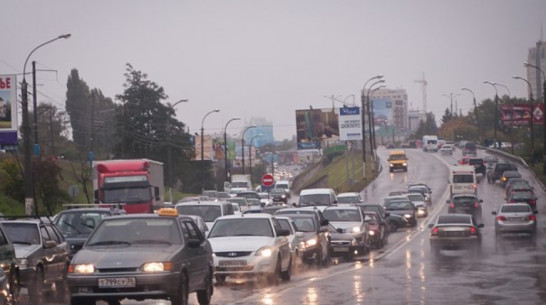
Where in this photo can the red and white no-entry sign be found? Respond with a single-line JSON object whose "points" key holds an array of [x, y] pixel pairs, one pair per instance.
{"points": [[268, 180]]}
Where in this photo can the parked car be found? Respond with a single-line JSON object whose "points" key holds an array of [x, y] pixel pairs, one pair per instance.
{"points": [[454, 232], [251, 245], [43, 256], [515, 218], [143, 256], [465, 204]]}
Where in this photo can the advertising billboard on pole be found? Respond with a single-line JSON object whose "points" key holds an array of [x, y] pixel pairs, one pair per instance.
{"points": [[350, 124], [315, 126], [8, 109]]}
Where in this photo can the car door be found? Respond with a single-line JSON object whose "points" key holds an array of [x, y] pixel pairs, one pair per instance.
{"points": [[282, 243], [197, 258], [7, 253], [48, 255]]}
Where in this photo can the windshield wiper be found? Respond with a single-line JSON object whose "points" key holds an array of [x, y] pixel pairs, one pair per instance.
{"points": [[73, 227], [110, 242], [21, 242], [151, 241]]}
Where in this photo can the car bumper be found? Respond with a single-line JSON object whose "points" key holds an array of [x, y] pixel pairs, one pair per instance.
{"points": [[247, 265], [455, 243], [27, 275], [147, 286], [345, 248], [507, 227]]}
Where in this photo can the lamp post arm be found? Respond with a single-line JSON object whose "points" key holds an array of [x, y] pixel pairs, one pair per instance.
{"points": [[65, 36]]}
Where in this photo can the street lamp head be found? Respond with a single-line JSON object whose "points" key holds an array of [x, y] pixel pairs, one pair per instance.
{"points": [[216, 110], [65, 36]]}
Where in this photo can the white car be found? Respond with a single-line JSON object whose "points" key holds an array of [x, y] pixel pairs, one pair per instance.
{"points": [[296, 239], [349, 198], [447, 149], [250, 245]]}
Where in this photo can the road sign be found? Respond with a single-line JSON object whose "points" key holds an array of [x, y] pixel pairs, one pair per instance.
{"points": [[268, 180]]}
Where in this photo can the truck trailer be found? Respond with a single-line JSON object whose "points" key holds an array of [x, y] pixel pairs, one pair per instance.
{"points": [[134, 184]]}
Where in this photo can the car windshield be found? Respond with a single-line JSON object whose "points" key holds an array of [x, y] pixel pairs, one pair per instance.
{"points": [[314, 199], [454, 219], [398, 205], [463, 178], [462, 200], [136, 231], [342, 215], [239, 184], [304, 224], [415, 197], [241, 227], [79, 222], [515, 208], [209, 213], [398, 157], [127, 195], [22, 233]]}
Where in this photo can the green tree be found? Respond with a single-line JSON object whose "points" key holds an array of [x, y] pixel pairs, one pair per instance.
{"points": [[46, 176], [146, 128], [77, 107], [427, 127], [447, 116], [53, 135]]}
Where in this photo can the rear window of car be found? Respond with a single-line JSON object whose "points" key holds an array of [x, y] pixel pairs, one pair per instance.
{"points": [[515, 208], [453, 219], [464, 200], [475, 162], [463, 179]]}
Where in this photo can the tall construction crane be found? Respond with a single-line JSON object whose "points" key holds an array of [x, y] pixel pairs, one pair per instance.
{"points": [[423, 83]]}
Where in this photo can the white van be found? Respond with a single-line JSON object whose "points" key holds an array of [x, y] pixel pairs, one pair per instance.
{"points": [[317, 197], [462, 180]]}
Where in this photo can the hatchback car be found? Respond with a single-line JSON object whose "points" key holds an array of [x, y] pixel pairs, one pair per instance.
{"points": [[465, 204], [515, 218], [508, 175], [446, 149], [402, 206], [143, 256], [350, 219], [419, 202], [455, 231], [378, 232], [250, 245]]}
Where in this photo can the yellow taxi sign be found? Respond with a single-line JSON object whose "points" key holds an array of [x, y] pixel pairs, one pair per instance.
{"points": [[167, 212]]}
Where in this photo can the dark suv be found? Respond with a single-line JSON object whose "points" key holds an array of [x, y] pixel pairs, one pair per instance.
{"points": [[499, 168], [469, 149], [479, 165]]}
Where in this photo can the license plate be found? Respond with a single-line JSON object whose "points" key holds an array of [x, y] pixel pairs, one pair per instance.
{"points": [[117, 282], [341, 249], [232, 263]]}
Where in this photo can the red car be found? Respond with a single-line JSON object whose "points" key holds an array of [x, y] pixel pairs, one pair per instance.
{"points": [[464, 161]]}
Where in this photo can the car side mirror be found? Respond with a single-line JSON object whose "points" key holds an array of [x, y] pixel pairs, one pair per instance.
{"points": [[481, 200], [494, 213], [324, 222], [480, 225], [48, 244], [194, 243], [448, 201]]}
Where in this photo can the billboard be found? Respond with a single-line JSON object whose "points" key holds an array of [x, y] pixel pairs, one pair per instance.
{"points": [[521, 114], [315, 126], [8, 109], [382, 112], [350, 124]]}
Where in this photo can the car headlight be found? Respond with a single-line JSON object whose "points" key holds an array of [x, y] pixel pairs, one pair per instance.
{"points": [[407, 215], [311, 242], [371, 232], [356, 230], [391, 165], [405, 164], [354, 242], [264, 251], [157, 266], [22, 262], [81, 268]]}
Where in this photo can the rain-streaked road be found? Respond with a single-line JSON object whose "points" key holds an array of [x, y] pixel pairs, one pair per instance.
{"points": [[510, 270]]}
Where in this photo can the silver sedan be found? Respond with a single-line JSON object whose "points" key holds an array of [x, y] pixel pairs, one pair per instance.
{"points": [[515, 218]]}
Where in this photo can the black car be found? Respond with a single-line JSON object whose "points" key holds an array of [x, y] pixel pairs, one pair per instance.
{"points": [[143, 256], [9, 273], [77, 224], [279, 195], [403, 207], [465, 204], [470, 149], [509, 175], [42, 255], [479, 165], [497, 171]]}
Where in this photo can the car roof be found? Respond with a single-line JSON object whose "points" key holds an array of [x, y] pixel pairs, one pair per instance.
{"points": [[341, 207], [197, 202], [316, 191], [248, 215], [348, 194], [453, 218]]}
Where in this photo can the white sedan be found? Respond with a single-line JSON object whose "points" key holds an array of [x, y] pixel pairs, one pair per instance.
{"points": [[250, 245], [447, 149]]}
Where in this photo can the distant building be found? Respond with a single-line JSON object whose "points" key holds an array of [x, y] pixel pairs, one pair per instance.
{"points": [[264, 128], [414, 119], [399, 102], [537, 57]]}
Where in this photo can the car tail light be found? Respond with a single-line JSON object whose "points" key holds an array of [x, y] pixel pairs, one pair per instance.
{"points": [[476, 205], [532, 217], [512, 201], [501, 218], [434, 231], [532, 202], [452, 206], [473, 231], [475, 186]]}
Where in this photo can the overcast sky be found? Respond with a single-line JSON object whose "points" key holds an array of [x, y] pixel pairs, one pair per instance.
{"points": [[267, 58]]}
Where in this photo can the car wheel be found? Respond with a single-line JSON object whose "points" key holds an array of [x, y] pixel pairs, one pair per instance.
{"points": [[326, 260], [181, 298], [220, 279], [393, 227], [204, 296], [82, 301], [273, 279], [36, 292], [15, 287], [285, 275]]}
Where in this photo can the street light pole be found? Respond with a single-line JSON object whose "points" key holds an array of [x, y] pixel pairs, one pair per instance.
{"points": [[526, 64], [475, 112], [363, 116], [169, 151], [250, 153], [496, 110], [29, 190], [531, 123], [203, 146], [370, 118], [451, 95], [243, 146], [225, 148]]}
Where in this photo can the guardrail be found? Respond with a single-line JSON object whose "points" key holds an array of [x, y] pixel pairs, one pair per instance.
{"points": [[507, 156]]}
